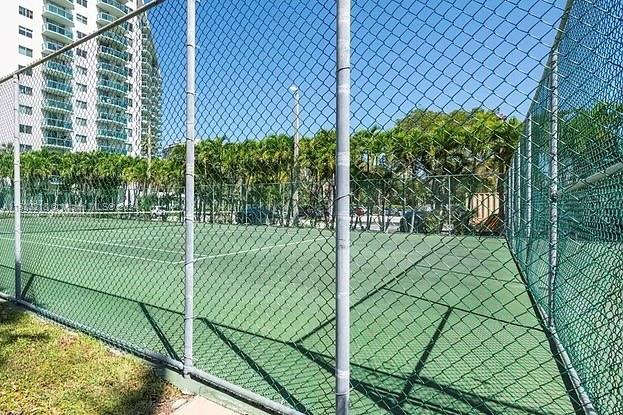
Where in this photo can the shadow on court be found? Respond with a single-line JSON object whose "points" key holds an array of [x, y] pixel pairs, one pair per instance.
{"points": [[443, 357]]}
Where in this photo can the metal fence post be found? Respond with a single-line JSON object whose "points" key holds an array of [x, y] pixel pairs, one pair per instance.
{"points": [[529, 183], [450, 229], [17, 192], [553, 240], [189, 201], [517, 190], [296, 94], [510, 202], [342, 234]]}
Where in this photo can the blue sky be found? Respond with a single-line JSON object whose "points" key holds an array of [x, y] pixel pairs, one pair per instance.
{"points": [[405, 54]]}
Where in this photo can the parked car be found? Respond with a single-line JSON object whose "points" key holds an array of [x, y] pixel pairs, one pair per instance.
{"points": [[392, 212], [414, 221], [309, 212], [158, 213], [255, 215]]}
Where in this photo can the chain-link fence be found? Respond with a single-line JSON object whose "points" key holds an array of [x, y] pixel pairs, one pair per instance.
{"points": [[415, 212], [566, 177]]}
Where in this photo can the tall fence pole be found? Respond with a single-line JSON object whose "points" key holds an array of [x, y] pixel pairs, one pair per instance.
{"points": [[450, 229], [529, 184], [508, 195], [295, 163], [189, 194], [17, 192], [553, 212], [342, 234]]}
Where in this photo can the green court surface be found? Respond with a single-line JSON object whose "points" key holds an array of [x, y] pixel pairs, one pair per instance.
{"points": [[439, 324]]}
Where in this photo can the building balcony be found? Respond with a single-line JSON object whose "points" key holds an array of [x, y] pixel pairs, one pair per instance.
{"points": [[114, 54], [120, 148], [57, 32], [105, 18], [49, 47], [66, 3], [112, 134], [115, 39], [116, 103], [57, 105], [56, 124], [113, 70], [56, 13], [57, 87], [118, 87], [57, 142], [113, 7], [58, 69], [112, 118]]}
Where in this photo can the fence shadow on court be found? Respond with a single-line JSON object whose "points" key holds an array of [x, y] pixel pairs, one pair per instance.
{"points": [[392, 392]]}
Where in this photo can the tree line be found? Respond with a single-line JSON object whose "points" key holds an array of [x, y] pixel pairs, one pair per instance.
{"points": [[385, 165]]}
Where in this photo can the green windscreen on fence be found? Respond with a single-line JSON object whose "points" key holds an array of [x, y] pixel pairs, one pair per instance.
{"points": [[579, 104]]}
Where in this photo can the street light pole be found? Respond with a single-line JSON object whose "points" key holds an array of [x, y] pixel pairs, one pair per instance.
{"points": [[295, 165]]}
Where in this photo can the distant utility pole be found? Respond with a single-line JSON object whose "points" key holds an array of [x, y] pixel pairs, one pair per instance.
{"points": [[295, 165]]}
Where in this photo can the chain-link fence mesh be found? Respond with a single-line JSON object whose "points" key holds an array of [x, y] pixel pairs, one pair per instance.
{"points": [[484, 216], [569, 185], [101, 213]]}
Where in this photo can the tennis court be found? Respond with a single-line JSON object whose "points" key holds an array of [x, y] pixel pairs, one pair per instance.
{"points": [[440, 324]]}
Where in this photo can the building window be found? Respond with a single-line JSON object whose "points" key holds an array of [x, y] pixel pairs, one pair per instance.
{"points": [[80, 34], [82, 19], [25, 90], [129, 117], [27, 72], [24, 31], [25, 129], [25, 109], [81, 70], [81, 104], [129, 102], [81, 138], [81, 52], [82, 122], [25, 12], [82, 2], [81, 87], [23, 50]]}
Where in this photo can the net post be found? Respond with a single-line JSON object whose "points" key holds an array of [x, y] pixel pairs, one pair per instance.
{"points": [[189, 192], [17, 192], [342, 234], [553, 212]]}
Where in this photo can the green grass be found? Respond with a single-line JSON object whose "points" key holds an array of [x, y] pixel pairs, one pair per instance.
{"points": [[47, 370], [439, 324]]}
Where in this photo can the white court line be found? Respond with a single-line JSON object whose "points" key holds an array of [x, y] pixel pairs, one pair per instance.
{"points": [[246, 251], [117, 244], [73, 248]]}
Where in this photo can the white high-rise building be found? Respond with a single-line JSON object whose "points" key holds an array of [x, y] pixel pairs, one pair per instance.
{"points": [[105, 95]]}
